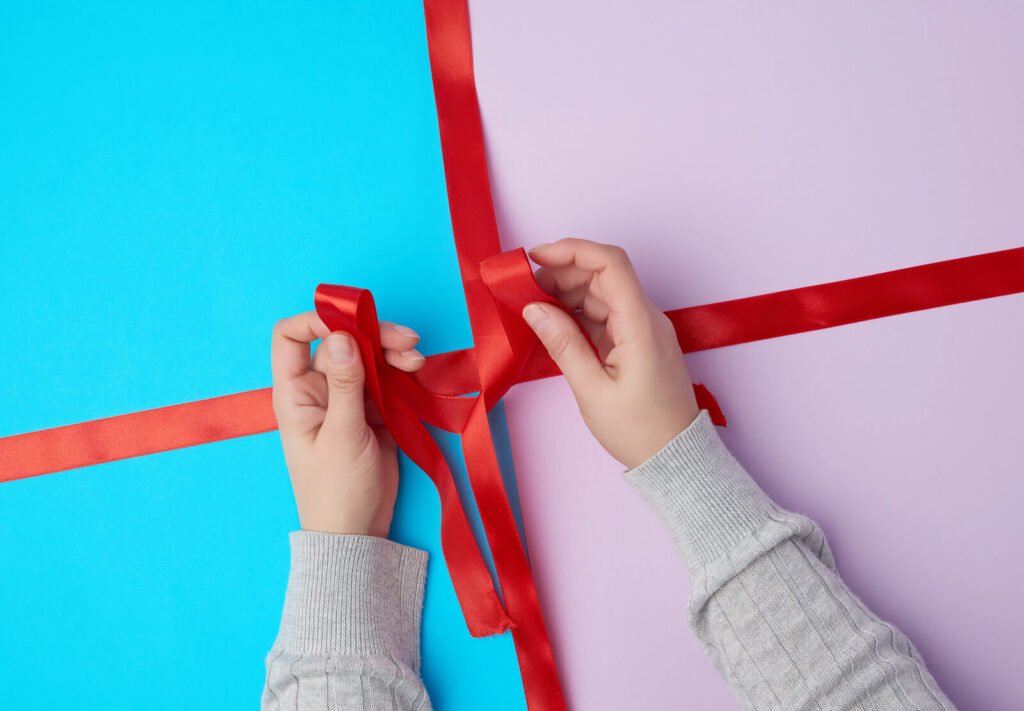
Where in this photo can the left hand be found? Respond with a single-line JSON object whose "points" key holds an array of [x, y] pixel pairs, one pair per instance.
{"points": [[342, 460]]}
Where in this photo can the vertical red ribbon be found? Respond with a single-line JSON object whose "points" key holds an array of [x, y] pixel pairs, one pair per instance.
{"points": [[496, 286], [507, 283], [475, 230]]}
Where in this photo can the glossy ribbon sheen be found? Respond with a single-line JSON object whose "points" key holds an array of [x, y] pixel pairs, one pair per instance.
{"points": [[497, 286], [717, 325], [405, 405], [501, 344]]}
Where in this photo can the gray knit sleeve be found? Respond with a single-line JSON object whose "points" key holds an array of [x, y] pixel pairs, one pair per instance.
{"points": [[766, 600], [350, 630]]}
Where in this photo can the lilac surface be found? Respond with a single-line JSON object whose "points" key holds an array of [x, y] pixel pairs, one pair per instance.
{"points": [[739, 148]]}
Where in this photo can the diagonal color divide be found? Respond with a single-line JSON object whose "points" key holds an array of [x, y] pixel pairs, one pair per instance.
{"points": [[472, 370]]}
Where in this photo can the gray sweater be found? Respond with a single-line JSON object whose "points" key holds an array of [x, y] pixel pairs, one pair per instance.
{"points": [[765, 601]]}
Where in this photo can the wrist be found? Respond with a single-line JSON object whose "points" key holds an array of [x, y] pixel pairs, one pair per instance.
{"points": [[326, 516], [652, 435], [338, 526]]}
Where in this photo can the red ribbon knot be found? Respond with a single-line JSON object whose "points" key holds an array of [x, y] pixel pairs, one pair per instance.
{"points": [[506, 349], [406, 403]]}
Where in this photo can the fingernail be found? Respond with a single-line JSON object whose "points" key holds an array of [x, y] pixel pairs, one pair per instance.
{"points": [[405, 330], [412, 354], [339, 349], [539, 247], [535, 314]]}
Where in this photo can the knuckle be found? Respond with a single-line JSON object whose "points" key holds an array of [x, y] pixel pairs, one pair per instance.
{"points": [[616, 255], [278, 329], [619, 253], [663, 325], [346, 380], [559, 343]]}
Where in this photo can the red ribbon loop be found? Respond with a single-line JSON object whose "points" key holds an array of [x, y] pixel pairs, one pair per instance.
{"points": [[509, 279], [497, 286], [506, 348], [404, 404], [504, 344]]}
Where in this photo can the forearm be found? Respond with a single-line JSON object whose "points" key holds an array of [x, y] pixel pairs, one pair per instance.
{"points": [[350, 630], [766, 600]]}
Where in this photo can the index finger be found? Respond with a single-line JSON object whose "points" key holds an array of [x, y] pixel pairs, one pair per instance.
{"points": [[613, 273], [289, 346]]}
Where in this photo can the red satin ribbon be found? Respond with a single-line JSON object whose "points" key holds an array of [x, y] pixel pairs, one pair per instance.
{"points": [[726, 323], [507, 283], [502, 342], [497, 286]]}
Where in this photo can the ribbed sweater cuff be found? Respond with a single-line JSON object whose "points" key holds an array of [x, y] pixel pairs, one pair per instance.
{"points": [[353, 595], [706, 498]]}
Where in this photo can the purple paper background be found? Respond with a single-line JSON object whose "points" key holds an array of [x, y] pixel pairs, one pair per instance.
{"points": [[739, 148]]}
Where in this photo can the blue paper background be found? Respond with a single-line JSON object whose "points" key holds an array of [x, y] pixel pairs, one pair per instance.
{"points": [[174, 177]]}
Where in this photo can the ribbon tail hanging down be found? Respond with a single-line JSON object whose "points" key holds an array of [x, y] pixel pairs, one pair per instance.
{"points": [[404, 405], [475, 230], [343, 308]]}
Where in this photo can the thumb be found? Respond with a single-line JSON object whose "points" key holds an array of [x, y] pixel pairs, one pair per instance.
{"points": [[566, 345], [345, 418]]}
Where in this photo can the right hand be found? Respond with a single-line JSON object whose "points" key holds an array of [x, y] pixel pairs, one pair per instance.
{"points": [[634, 393]]}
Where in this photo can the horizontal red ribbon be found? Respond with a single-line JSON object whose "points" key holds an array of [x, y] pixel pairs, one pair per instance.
{"points": [[497, 286], [699, 328]]}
